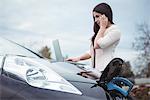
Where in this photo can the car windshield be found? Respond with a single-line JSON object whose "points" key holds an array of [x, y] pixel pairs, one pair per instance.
{"points": [[7, 47]]}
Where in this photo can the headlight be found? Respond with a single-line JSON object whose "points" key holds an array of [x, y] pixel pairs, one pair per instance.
{"points": [[38, 75], [35, 75]]}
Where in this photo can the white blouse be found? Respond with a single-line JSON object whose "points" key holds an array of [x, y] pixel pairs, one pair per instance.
{"points": [[107, 46]]}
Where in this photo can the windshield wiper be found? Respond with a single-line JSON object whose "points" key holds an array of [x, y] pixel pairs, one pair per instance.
{"points": [[18, 55], [3, 61]]}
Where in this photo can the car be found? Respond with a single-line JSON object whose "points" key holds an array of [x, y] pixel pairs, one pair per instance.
{"points": [[25, 75]]}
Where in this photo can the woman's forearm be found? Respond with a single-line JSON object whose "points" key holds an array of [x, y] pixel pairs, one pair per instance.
{"points": [[100, 34], [85, 56]]}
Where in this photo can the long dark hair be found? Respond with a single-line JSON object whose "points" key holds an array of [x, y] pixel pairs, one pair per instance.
{"points": [[102, 8]]}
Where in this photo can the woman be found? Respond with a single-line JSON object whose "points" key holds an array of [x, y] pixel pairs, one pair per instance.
{"points": [[104, 41]]}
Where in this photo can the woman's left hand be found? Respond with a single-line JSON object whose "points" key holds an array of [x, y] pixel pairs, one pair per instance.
{"points": [[89, 74]]}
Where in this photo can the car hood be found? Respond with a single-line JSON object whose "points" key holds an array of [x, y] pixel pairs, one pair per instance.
{"points": [[69, 71], [78, 84]]}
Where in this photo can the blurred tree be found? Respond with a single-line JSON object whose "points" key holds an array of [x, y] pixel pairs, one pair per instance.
{"points": [[126, 71], [146, 71], [142, 45], [45, 52]]}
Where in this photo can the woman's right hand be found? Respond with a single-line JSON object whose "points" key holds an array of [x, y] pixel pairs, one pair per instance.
{"points": [[75, 59], [103, 21]]}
